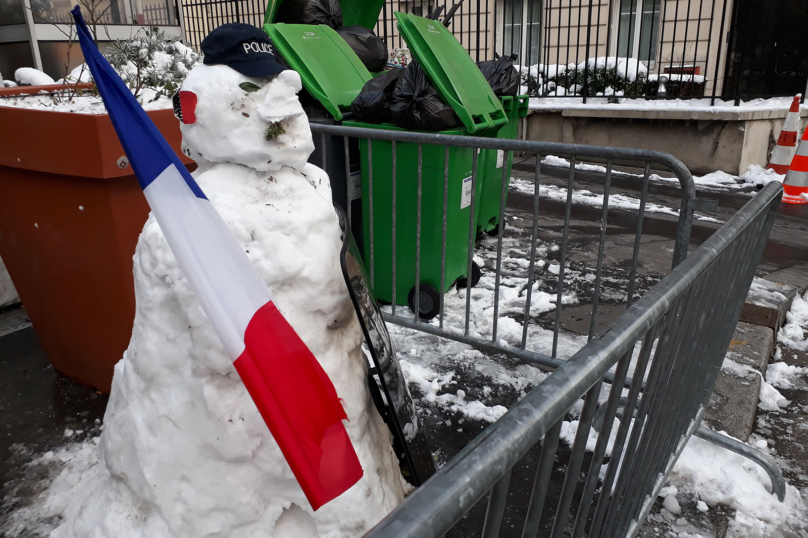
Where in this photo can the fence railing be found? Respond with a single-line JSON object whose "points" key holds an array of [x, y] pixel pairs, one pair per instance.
{"points": [[589, 49], [672, 342], [381, 237]]}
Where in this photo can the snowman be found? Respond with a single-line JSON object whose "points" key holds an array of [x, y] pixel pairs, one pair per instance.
{"points": [[185, 452]]}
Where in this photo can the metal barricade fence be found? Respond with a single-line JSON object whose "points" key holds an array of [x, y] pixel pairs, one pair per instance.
{"points": [[682, 327], [460, 332], [666, 350]]}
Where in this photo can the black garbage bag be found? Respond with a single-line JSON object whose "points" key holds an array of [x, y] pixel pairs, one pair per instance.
{"points": [[310, 12], [416, 104], [371, 49], [501, 75], [372, 105]]}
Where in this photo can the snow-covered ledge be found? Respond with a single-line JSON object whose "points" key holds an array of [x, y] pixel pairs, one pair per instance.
{"points": [[705, 137]]}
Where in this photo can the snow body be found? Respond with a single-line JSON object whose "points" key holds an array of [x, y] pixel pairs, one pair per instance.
{"points": [[185, 451]]}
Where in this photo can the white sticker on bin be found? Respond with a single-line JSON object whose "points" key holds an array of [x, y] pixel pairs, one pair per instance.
{"points": [[355, 186], [465, 196], [500, 158]]}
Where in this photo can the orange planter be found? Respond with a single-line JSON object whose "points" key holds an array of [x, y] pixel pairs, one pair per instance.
{"points": [[71, 212]]}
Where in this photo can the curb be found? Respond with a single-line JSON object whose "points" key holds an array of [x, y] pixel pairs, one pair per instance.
{"points": [[733, 405]]}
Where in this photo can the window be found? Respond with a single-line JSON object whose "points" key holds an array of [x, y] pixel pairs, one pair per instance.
{"points": [[422, 9], [522, 16], [638, 30]]}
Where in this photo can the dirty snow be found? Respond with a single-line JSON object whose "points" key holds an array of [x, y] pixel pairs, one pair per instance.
{"points": [[713, 476], [764, 293], [8, 293], [588, 198], [769, 398], [784, 376], [760, 177], [792, 335]]}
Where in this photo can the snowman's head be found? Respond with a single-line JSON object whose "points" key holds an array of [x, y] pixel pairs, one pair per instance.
{"points": [[242, 106]]}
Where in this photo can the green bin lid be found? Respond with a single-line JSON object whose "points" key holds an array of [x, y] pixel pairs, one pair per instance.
{"points": [[362, 12], [331, 71], [455, 75]]}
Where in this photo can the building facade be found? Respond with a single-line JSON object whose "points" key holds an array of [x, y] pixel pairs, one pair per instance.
{"points": [[39, 33]]}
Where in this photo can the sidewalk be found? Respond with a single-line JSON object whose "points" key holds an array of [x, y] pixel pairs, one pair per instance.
{"points": [[38, 409]]}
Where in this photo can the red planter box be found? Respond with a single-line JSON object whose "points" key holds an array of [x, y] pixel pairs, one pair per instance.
{"points": [[70, 218]]}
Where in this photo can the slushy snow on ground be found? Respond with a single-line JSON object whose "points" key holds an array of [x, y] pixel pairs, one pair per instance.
{"points": [[710, 475], [792, 335]]}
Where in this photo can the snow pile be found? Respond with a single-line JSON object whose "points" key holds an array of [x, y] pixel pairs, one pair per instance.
{"points": [[627, 68], [770, 398], [28, 76], [716, 179], [185, 452], [774, 104], [679, 77], [429, 383], [588, 198], [569, 429], [713, 475], [792, 334], [8, 294], [782, 375], [79, 74], [78, 104], [760, 177]]}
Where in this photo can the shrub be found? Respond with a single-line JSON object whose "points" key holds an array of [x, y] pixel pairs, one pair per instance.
{"points": [[152, 59]]}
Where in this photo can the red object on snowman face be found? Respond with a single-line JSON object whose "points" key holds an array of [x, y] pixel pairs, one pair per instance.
{"points": [[185, 106]]}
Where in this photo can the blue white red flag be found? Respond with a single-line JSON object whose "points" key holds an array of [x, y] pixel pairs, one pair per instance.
{"points": [[291, 390]]}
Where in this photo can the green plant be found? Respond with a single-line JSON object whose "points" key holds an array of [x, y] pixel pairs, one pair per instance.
{"points": [[151, 59], [274, 130]]}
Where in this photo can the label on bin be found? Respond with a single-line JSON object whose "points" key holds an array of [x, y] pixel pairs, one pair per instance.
{"points": [[500, 158], [465, 197], [355, 186]]}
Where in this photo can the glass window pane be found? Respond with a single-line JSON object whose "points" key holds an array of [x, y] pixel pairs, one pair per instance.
{"points": [[12, 12], [625, 38]]}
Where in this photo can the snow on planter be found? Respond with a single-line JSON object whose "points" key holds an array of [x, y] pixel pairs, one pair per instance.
{"points": [[29, 76]]}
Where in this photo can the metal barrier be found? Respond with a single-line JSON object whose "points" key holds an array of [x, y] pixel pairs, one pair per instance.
{"points": [[683, 326], [666, 349], [547, 359]]}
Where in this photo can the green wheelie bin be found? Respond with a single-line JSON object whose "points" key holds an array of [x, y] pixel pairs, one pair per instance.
{"points": [[491, 163], [461, 85]]}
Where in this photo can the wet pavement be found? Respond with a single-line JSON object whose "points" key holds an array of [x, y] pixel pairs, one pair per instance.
{"points": [[39, 410]]}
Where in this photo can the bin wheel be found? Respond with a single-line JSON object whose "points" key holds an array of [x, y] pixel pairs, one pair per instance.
{"points": [[495, 230], [428, 301], [476, 273]]}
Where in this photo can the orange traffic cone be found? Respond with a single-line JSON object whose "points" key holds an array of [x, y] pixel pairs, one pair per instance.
{"points": [[783, 152], [795, 184]]}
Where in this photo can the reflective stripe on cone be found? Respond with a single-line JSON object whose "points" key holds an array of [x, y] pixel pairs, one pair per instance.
{"points": [[783, 152], [795, 184]]}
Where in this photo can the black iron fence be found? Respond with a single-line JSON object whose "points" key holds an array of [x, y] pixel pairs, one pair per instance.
{"points": [[685, 49], [583, 49]]}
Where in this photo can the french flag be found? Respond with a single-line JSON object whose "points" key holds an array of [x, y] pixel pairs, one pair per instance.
{"points": [[291, 390]]}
